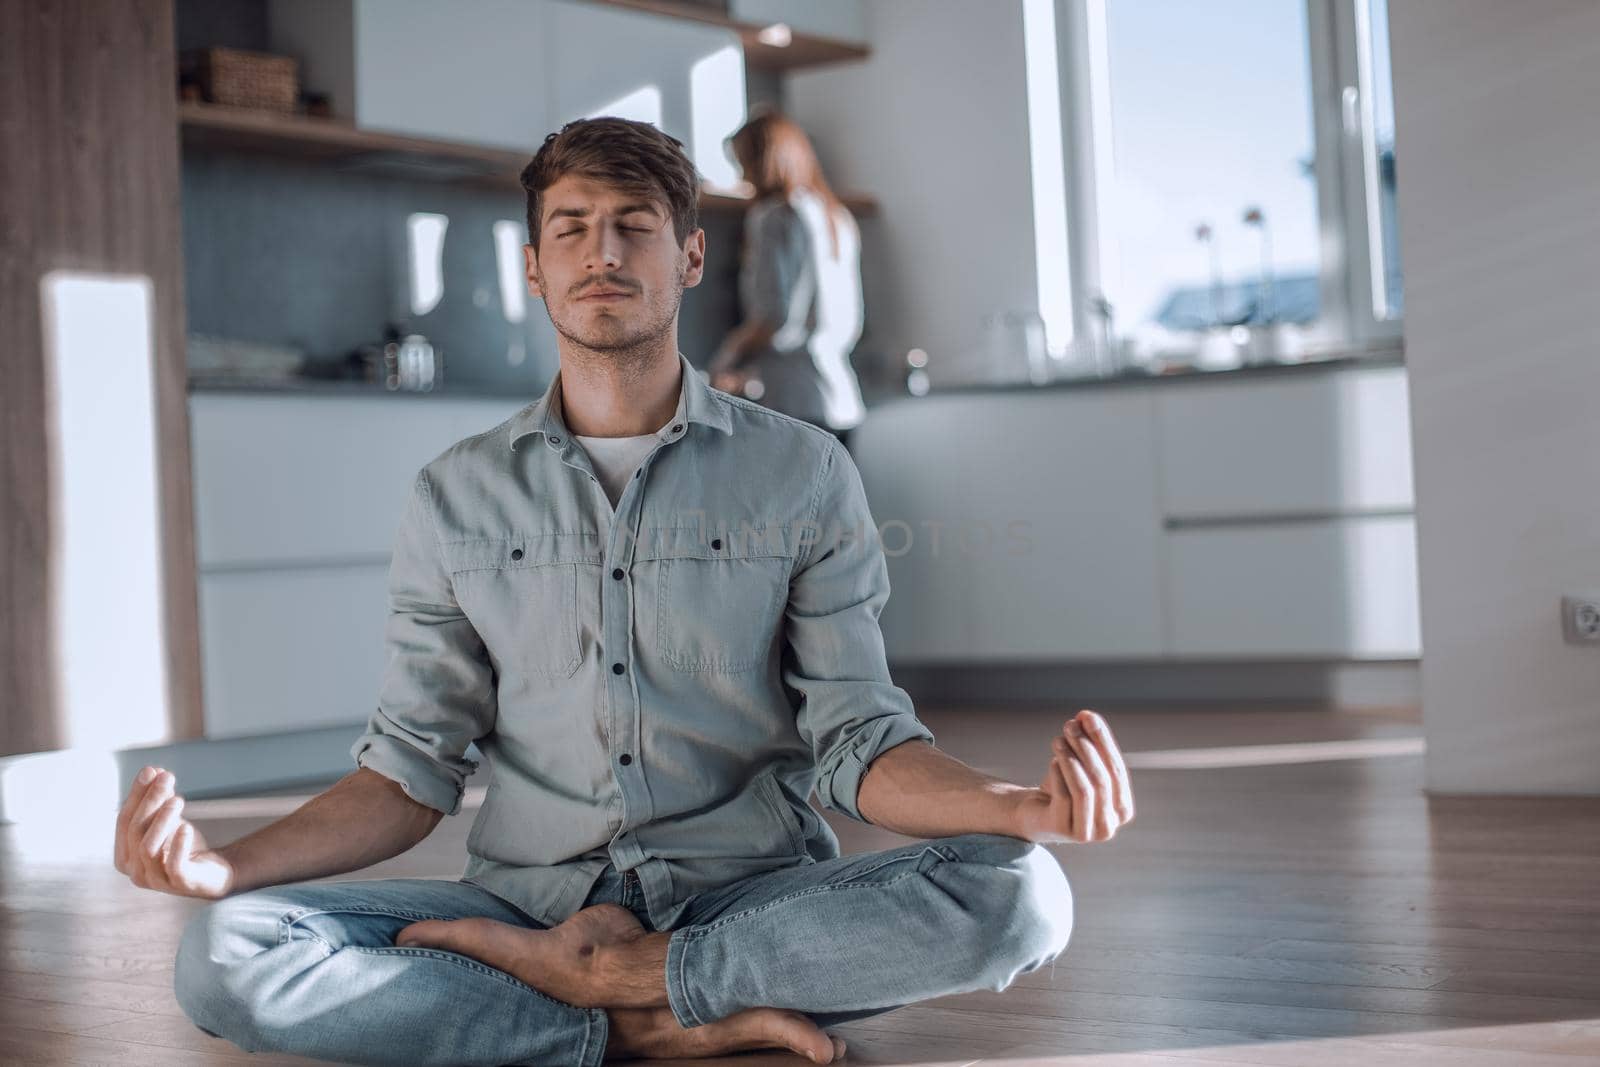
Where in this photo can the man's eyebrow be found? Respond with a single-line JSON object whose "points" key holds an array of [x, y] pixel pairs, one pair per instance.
{"points": [[585, 212]]}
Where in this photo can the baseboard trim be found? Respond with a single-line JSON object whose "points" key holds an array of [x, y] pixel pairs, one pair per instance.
{"points": [[1317, 683], [204, 768]]}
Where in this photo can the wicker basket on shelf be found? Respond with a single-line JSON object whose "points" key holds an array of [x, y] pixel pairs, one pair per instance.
{"points": [[237, 78]]}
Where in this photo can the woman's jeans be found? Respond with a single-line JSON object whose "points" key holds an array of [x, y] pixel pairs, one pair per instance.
{"points": [[312, 968]]}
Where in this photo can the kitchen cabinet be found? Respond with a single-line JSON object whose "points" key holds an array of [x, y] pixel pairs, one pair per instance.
{"points": [[298, 497], [1288, 509], [1256, 516], [1325, 441], [504, 73], [1017, 525], [838, 20], [292, 478], [1050, 525], [291, 648], [1343, 588]]}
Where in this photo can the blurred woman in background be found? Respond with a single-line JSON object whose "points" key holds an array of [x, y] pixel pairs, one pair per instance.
{"points": [[799, 284]]}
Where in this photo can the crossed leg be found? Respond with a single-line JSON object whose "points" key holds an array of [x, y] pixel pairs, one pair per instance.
{"points": [[836, 940], [313, 969]]}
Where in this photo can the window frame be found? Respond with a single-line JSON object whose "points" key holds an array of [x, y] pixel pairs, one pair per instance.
{"points": [[1343, 165]]}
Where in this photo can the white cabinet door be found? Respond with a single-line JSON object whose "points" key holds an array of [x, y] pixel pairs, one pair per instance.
{"points": [[1328, 442], [505, 73], [291, 479], [1017, 526], [291, 649], [474, 71], [686, 78], [1339, 589], [840, 20], [297, 499]]}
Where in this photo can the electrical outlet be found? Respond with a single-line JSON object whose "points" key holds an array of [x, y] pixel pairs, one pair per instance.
{"points": [[1580, 619]]}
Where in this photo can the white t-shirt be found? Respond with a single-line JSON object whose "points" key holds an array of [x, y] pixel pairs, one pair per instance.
{"points": [[616, 458]]}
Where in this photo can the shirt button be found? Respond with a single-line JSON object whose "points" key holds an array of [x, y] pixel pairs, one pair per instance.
{"points": [[555, 439], [617, 573], [624, 759], [716, 542], [617, 668], [678, 428], [516, 553]]}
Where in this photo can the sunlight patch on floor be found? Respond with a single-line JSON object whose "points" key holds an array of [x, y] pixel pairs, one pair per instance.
{"points": [[1265, 755]]}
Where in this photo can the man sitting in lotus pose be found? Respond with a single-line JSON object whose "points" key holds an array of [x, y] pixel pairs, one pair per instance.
{"points": [[654, 607]]}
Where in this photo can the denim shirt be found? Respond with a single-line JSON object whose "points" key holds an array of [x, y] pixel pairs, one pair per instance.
{"points": [[658, 685]]}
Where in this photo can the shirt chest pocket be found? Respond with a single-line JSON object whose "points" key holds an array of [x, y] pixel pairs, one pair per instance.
{"points": [[720, 605], [522, 596]]}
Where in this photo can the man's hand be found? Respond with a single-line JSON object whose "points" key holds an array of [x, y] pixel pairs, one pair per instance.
{"points": [[1085, 796], [159, 849]]}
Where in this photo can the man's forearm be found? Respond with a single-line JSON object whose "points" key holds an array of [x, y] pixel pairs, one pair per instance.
{"points": [[362, 819], [917, 790]]}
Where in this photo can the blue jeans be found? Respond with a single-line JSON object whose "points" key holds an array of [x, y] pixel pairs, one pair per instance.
{"points": [[312, 968]]}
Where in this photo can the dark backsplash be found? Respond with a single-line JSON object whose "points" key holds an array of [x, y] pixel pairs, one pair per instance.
{"points": [[297, 253]]}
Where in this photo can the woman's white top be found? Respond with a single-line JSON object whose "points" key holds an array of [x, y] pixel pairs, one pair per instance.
{"points": [[790, 276]]}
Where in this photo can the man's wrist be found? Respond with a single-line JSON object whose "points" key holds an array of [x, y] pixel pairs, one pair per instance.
{"points": [[229, 854], [1029, 806]]}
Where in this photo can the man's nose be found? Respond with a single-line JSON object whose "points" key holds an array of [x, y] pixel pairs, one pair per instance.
{"points": [[605, 248]]}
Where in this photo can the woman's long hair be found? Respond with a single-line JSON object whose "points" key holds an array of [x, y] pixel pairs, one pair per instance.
{"points": [[777, 158]]}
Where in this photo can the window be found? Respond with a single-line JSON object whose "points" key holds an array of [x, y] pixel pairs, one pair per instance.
{"points": [[1240, 161]]}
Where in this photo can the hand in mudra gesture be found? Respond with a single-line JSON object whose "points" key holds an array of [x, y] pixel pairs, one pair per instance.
{"points": [[1085, 796], [157, 848]]}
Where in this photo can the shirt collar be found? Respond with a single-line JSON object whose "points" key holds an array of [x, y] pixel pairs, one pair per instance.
{"points": [[697, 402]]}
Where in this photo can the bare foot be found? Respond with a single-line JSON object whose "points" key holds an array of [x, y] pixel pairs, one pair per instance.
{"points": [[655, 1032], [560, 962]]}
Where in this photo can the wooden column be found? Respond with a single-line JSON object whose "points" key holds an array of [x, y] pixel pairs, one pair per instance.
{"points": [[89, 180]]}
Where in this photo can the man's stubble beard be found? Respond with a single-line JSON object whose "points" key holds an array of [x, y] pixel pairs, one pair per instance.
{"points": [[615, 345]]}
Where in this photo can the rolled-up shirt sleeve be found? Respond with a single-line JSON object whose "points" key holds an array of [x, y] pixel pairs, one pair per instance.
{"points": [[437, 694], [849, 711]]}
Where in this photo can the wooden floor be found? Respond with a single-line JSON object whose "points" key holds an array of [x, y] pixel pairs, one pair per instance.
{"points": [[1288, 895]]}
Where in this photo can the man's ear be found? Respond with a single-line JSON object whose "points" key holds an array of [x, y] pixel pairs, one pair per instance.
{"points": [[530, 267], [695, 248]]}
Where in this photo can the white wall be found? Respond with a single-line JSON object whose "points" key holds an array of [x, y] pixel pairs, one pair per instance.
{"points": [[935, 125], [1499, 162]]}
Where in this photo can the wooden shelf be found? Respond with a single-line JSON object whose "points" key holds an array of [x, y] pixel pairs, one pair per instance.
{"points": [[803, 50], [211, 127]]}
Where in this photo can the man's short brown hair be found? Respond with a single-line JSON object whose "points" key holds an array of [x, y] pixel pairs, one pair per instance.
{"points": [[632, 157]]}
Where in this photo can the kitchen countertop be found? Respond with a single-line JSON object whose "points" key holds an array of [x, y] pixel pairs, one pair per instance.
{"points": [[335, 387], [1381, 357]]}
